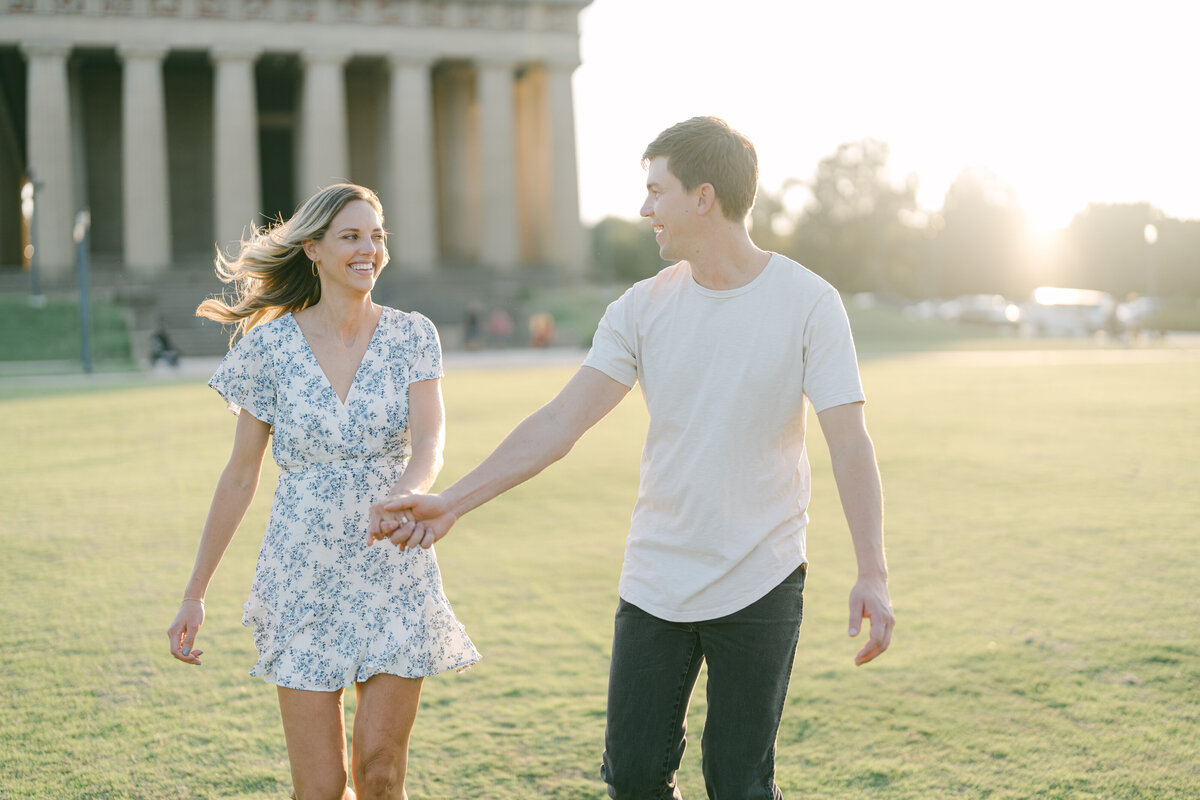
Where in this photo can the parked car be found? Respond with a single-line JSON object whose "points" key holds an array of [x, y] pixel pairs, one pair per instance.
{"points": [[987, 309], [1055, 311]]}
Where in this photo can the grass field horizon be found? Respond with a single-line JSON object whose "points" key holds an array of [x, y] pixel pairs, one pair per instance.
{"points": [[1042, 539]]}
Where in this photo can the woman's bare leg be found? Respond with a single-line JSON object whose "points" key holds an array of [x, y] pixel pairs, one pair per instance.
{"points": [[315, 729], [387, 709]]}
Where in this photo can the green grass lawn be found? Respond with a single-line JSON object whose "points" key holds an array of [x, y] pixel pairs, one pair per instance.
{"points": [[1042, 532]]}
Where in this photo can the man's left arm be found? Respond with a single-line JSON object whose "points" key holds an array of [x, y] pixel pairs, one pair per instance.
{"points": [[857, 474]]}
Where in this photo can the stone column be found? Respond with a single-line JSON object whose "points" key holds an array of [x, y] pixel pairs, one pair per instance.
{"points": [[565, 247], [324, 157], [48, 123], [10, 189], [456, 128], [237, 189], [146, 194], [500, 242], [411, 192]]}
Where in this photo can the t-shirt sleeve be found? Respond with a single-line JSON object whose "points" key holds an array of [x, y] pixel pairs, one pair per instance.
{"points": [[246, 378], [427, 357], [830, 363], [614, 350]]}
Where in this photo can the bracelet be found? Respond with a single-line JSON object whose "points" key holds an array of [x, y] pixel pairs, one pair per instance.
{"points": [[199, 600]]}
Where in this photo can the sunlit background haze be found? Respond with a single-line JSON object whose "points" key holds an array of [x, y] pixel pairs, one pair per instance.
{"points": [[1066, 102]]}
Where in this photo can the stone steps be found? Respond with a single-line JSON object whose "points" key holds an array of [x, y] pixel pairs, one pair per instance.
{"points": [[173, 296]]}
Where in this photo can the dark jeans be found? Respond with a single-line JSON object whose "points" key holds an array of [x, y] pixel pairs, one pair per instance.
{"points": [[654, 668]]}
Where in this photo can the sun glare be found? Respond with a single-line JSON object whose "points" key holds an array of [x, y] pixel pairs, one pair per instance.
{"points": [[946, 85]]}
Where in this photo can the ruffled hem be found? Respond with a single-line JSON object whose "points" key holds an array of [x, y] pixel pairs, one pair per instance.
{"points": [[289, 682], [280, 652]]}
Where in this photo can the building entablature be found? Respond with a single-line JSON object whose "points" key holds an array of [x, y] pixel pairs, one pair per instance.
{"points": [[530, 31]]}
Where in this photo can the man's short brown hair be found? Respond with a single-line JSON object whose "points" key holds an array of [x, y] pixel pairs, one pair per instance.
{"points": [[706, 150]]}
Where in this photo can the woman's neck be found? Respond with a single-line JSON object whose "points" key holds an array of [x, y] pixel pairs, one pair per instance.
{"points": [[343, 318]]}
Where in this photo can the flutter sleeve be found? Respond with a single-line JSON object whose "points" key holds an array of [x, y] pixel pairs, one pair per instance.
{"points": [[246, 377], [427, 351]]}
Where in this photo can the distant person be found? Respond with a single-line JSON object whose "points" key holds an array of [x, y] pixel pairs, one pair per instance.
{"points": [[500, 327], [161, 346], [730, 344], [1137, 317], [349, 393], [473, 326], [541, 329]]}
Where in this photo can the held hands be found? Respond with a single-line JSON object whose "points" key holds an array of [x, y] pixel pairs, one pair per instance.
{"points": [[869, 600], [385, 523], [410, 520], [182, 632]]}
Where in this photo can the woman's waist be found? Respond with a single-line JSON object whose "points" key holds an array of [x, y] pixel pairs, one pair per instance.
{"points": [[371, 461]]}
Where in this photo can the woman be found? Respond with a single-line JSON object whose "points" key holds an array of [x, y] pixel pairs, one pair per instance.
{"points": [[351, 393]]}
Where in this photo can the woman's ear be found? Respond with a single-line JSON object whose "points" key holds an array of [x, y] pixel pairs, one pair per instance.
{"points": [[310, 249]]}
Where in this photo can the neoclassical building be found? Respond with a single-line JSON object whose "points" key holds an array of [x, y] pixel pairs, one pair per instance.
{"points": [[178, 123]]}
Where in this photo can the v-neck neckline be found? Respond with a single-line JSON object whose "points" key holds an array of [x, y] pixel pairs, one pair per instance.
{"points": [[353, 381]]}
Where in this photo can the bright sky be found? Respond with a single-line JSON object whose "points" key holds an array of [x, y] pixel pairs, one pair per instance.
{"points": [[1067, 101]]}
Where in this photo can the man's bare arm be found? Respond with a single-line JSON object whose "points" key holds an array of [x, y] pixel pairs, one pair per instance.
{"points": [[542, 438], [857, 474]]}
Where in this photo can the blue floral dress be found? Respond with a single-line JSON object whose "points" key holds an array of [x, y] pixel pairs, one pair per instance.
{"points": [[326, 610]]}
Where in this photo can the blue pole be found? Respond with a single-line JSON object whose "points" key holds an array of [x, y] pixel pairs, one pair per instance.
{"points": [[82, 222]]}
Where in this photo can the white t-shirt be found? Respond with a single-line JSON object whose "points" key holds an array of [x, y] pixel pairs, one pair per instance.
{"points": [[726, 375]]}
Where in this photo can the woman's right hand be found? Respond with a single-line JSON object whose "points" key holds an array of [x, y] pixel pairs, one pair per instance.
{"points": [[182, 632], [384, 522]]}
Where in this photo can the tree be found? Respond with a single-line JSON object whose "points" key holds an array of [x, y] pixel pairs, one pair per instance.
{"points": [[1175, 258], [624, 250], [1105, 248], [982, 247], [771, 224], [856, 230]]}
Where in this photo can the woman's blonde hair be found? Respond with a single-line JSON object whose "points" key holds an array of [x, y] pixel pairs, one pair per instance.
{"points": [[271, 275]]}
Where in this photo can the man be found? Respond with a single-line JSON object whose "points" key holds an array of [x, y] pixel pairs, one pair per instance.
{"points": [[730, 344]]}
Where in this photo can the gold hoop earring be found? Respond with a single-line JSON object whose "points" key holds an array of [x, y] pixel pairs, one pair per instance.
{"points": [[314, 268]]}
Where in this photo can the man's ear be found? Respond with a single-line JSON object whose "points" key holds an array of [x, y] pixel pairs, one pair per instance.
{"points": [[706, 198]]}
